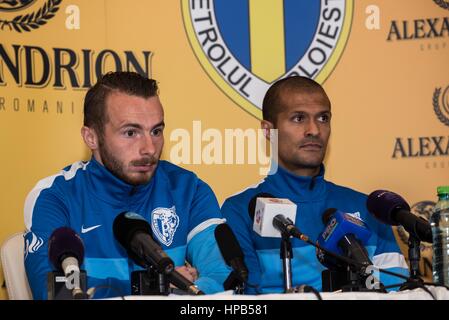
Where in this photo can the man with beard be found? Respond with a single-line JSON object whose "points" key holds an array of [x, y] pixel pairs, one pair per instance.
{"points": [[123, 127], [300, 110]]}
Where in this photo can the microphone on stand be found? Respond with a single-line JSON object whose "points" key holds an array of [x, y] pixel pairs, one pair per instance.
{"points": [[346, 235], [132, 231], [390, 208], [66, 253], [233, 255]]}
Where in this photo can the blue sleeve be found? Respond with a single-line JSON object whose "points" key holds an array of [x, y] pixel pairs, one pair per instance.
{"points": [[241, 224], [202, 249], [46, 213], [204, 206], [205, 256], [388, 256]]}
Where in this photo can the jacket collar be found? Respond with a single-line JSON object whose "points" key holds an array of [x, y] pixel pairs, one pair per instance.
{"points": [[298, 188], [107, 187]]}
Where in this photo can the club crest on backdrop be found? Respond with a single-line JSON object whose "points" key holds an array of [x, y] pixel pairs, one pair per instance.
{"points": [[245, 46]]}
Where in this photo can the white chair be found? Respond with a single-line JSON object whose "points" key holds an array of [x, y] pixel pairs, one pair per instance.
{"points": [[11, 253]]}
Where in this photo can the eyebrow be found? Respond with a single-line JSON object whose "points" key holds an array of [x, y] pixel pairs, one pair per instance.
{"points": [[305, 112], [138, 126], [160, 124]]}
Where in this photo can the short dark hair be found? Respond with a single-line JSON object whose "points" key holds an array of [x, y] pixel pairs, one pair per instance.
{"points": [[272, 102], [131, 83]]}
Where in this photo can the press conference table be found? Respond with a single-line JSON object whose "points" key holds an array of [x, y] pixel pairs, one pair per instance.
{"points": [[440, 293]]}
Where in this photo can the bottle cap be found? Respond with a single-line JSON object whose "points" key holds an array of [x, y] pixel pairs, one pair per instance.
{"points": [[443, 189]]}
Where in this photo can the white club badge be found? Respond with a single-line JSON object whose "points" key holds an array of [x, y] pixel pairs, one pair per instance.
{"points": [[164, 222]]}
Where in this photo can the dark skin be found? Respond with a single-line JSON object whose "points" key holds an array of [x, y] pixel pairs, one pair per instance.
{"points": [[303, 126]]}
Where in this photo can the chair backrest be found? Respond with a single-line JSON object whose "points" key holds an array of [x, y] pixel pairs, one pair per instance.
{"points": [[11, 253]]}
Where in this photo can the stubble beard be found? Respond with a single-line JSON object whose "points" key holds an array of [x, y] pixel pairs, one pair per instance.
{"points": [[117, 167]]}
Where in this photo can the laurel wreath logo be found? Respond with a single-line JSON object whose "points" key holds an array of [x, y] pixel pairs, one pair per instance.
{"points": [[443, 4], [436, 107], [32, 20]]}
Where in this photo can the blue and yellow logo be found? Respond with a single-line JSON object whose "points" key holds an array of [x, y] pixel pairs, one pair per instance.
{"points": [[245, 45]]}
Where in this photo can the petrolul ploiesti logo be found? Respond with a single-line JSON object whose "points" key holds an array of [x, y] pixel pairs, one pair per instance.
{"points": [[245, 46]]}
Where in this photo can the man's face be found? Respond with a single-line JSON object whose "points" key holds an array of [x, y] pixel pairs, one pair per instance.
{"points": [[303, 131], [132, 141]]}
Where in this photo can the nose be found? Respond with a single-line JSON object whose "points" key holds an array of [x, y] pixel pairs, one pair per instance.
{"points": [[312, 129], [147, 146]]}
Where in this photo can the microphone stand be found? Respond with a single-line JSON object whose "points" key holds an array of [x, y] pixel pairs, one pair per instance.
{"points": [[235, 283], [162, 284], [149, 282], [286, 256], [355, 281], [414, 255], [416, 280]]}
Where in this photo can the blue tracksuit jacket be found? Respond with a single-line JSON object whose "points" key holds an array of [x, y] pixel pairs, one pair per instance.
{"points": [[312, 195], [181, 209]]}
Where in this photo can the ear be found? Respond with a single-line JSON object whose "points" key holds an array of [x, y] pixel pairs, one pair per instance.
{"points": [[90, 137], [266, 127]]}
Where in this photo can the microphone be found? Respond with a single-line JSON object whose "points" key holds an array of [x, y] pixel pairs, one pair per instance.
{"points": [[273, 216], [392, 209], [284, 223], [345, 235], [66, 253], [359, 253], [286, 226], [233, 255], [132, 231]]}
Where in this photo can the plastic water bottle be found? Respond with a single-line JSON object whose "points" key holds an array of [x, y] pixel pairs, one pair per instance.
{"points": [[440, 233]]}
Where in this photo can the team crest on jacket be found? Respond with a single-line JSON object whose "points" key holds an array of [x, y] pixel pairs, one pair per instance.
{"points": [[164, 223], [246, 45]]}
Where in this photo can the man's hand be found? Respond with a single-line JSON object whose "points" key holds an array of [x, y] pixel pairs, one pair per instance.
{"points": [[188, 272]]}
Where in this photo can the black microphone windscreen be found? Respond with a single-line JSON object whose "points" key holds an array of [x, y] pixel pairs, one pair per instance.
{"points": [[252, 202], [227, 243], [327, 214], [382, 203], [65, 242], [125, 226]]}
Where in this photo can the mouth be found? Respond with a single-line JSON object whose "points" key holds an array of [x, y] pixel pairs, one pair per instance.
{"points": [[311, 146], [143, 167]]}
